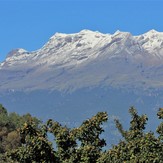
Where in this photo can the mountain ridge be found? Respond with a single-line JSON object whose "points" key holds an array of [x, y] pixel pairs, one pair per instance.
{"points": [[87, 59]]}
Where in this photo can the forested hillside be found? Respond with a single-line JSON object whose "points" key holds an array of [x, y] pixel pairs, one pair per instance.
{"points": [[25, 139]]}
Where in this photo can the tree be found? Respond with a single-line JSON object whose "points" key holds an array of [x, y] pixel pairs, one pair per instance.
{"points": [[84, 145], [89, 136], [2, 109], [137, 145], [10, 124], [37, 148], [65, 141], [160, 127]]}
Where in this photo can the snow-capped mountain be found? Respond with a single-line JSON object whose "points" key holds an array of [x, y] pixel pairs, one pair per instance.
{"points": [[87, 72], [87, 59]]}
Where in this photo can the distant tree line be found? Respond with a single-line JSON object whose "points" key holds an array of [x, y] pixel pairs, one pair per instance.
{"points": [[24, 139]]}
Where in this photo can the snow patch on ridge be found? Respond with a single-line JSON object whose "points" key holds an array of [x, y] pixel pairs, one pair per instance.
{"points": [[78, 47], [87, 58], [152, 41]]}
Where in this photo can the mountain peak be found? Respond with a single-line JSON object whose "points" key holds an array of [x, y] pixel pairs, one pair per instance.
{"points": [[83, 59], [17, 51], [86, 31], [152, 31], [121, 33], [58, 35]]}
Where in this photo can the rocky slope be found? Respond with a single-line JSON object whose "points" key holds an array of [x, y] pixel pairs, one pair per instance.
{"points": [[87, 59]]}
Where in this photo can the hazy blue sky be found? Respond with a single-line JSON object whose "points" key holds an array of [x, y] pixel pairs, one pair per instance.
{"points": [[28, 24]]}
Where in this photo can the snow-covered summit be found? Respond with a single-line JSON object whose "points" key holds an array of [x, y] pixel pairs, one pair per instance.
{"points": [[86, 58], [18, 51], [66, 48], [152, 41]]}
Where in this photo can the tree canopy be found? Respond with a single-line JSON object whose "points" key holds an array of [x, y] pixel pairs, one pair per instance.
{"points": [[26, 140]]}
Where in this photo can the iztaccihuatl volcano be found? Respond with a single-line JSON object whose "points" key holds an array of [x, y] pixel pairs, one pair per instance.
{"points": [[69, 62], [73, 76]]}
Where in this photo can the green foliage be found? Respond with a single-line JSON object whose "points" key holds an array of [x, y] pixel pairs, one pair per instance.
{"points": [[137, 125], [160, 127], [2, 110], [35, 146], [82, 144], [89, 136], [137, 145], [9, 129], [65, 141]]}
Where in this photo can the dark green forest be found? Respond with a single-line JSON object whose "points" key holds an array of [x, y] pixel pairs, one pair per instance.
{"points": [[25, 139]]}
